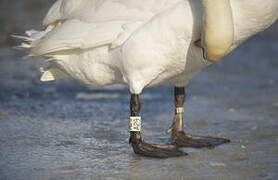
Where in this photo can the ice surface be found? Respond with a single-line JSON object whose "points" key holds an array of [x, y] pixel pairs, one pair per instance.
{"points": [[65, 130]]}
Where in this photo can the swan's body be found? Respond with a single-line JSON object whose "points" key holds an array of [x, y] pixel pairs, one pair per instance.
{"points": [[145, 43], [140, 43]]}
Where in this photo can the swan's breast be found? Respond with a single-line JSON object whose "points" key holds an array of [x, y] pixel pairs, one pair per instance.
{"points": [[160, 49]]}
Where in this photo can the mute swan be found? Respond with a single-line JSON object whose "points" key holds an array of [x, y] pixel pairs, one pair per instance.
{"points": [[146, 43]]}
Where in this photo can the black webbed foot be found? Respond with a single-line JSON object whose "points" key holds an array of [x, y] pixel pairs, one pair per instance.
{"points": [[154, 150], [181, 139]]}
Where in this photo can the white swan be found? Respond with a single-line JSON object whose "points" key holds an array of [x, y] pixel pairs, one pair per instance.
{"points": [[145, 43]]}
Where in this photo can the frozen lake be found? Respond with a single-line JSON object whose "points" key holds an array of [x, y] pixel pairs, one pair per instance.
{"points": [[64, 130]]}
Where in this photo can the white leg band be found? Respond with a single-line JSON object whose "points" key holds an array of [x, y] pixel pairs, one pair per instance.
{"points": [[135, 123]]}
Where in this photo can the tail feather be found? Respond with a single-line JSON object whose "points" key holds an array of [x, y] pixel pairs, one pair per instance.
{"points": [[58, 40], [31, 36], [24, 38], [50, 74]]}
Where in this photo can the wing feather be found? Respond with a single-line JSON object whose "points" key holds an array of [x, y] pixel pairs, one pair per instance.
{"points": [[75, 34], [85, 24], [54, 14], [106, 10]]}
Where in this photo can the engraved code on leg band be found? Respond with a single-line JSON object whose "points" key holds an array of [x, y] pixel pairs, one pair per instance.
{"points": [[135, 123]]}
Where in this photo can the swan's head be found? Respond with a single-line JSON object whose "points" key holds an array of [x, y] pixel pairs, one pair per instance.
{"points": [[218, 29]]}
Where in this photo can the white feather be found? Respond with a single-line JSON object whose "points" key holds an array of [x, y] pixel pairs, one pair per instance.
{"points": [[75, 34], [52, 74]]}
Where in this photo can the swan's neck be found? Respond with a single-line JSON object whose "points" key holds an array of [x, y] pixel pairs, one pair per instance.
{"points": [[227, 23], [218, 28]]}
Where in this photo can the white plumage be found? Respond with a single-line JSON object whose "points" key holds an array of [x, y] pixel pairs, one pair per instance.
{"points": [[138, 43]]}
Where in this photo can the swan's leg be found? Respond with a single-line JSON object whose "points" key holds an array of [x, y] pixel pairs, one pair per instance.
{"points": [[139, 146], [182, 139]]}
